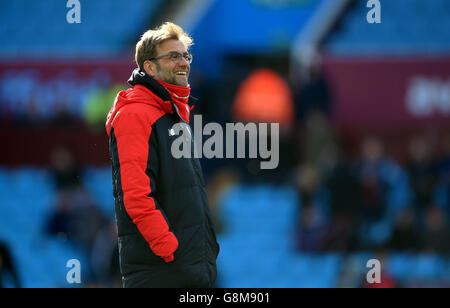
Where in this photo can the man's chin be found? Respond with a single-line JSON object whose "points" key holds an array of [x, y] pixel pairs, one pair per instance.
{"points": [[177, 80], [181, 81]]}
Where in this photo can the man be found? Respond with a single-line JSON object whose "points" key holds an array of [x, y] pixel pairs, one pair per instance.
{"points": [[166, 234]]}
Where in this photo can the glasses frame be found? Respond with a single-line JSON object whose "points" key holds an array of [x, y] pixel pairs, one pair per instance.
{"points": [[187, 56]]}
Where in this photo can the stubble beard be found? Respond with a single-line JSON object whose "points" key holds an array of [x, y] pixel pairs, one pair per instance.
{"points": [[170, 77]]}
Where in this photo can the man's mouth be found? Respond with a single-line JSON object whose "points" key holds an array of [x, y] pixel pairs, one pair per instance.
{"points": [[181, 73]]}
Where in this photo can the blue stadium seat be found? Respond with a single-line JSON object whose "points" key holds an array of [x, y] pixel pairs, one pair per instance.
{"points": [[40, 260], [400, 265], [428, 267], [407, 27], [97, 32], [313, 271], [98, 182], [256, 247], [255, 251]]}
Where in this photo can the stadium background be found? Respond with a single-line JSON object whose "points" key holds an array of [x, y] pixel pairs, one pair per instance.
{"points": [[364, 149]]}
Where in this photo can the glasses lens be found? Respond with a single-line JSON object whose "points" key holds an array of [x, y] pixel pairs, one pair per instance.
{"points": [[188, 57], [175, 56]]}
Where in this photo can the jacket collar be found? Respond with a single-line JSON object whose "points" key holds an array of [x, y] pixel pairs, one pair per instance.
{"points": [[142, 78]]}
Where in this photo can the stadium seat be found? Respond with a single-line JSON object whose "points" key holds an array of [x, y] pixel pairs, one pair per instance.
{"points": [[256, 246], [96, 35], [407, 27]]}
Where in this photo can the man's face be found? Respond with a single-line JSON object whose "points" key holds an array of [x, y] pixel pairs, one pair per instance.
{"points": [[168, 70]]}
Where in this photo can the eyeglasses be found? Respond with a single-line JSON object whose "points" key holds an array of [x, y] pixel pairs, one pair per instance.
{"points": [[175, 56]]}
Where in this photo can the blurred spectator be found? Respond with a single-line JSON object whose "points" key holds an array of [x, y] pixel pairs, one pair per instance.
{"points": [[312, 93], [373, 186], [345, 199], [342, 183], [319, 138], [7, 267], [314, 232], [436, 234], [64, 168], [405, 237], [76, 217], [314, 221], [60, 222], [383, 187], [422, 171], [88, 220], [104, 257], [315, 142]]}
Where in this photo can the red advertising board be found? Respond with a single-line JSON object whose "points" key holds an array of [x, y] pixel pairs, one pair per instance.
{"points": [[40, 89], [389, 92], [35, 90]]}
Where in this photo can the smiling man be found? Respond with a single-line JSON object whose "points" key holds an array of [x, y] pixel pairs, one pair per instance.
{"points": [[166, 234]]}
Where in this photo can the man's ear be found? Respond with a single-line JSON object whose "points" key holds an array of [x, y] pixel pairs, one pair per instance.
{"points": [[150, 68]]}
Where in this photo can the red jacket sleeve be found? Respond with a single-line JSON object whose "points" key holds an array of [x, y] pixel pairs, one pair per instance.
{"points": [[132, 129]]}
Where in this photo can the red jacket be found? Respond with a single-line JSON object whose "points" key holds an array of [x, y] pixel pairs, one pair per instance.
{"points": [[158, 199]]}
